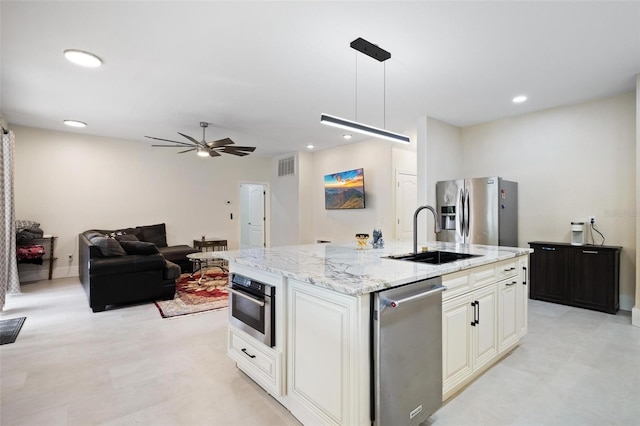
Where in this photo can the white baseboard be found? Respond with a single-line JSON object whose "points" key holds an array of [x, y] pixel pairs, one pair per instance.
{"points": [[635, 316]]}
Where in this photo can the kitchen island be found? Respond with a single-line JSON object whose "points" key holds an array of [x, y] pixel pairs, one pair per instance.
{"points": [[319, 364]]}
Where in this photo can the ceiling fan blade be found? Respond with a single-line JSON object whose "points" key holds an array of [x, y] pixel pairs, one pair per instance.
{"points": [[182, 152], [238, 153], [168, 140], [213, 153], [221, 142], [241, 148], [171, 146], [190, 138]]}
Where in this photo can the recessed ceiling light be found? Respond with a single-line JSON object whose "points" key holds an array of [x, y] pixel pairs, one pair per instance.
{"points": [[347, 136], [310, 146], [80, 57], [519, 99], [75, 123]]}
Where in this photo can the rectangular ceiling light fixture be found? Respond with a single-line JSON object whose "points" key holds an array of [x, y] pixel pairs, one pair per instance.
{"points": [[331, 120]]}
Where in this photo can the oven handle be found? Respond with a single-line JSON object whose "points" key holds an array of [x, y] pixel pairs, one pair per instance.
{"points": [[252, 299]]}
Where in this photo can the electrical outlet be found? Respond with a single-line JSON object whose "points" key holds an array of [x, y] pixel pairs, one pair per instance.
{"points": [[592, 220]]}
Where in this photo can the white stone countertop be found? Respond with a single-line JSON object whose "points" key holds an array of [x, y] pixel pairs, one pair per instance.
{"points": [[345, 269]]}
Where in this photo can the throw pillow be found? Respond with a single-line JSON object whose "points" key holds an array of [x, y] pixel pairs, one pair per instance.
{"points": [[156, 234], [139, 247], [126, 237], [108, 247], [21, 225], [92, 234], [114, 234]]}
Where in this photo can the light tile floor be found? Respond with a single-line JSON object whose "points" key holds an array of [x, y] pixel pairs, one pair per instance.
{"points": [[126, 366]]}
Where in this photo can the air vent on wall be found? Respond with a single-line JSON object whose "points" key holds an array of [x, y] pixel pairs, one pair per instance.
{"points": [[287, 166]]}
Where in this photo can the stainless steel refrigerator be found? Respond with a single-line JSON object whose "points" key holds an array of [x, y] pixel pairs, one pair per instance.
{"points": [[478, 211]]}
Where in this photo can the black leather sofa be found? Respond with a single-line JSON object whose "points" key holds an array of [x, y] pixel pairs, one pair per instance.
{"points": [[129, 265]]}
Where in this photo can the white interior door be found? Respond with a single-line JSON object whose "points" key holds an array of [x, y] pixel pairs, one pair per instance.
{"points": [[252, 215], [406, 204]]}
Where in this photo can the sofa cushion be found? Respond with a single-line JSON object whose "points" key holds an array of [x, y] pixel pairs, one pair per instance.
{"points": [[171, 271], [177, 254], [156, 234], [132, 231], [128, 265], [139, 247], [126, 237], [108, 247]]}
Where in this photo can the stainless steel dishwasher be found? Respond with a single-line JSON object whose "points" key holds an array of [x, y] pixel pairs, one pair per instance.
{"points": [[406, 349]]}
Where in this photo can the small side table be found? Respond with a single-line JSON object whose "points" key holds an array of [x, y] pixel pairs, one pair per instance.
{"points": [[215, 244]]}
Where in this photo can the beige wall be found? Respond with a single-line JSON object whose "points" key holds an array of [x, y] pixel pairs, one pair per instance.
{"points": [[70, 183], [569, 162], [341, 225]]}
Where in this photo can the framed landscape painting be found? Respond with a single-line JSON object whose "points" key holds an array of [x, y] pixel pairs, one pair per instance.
{"points": [[344, 190]]}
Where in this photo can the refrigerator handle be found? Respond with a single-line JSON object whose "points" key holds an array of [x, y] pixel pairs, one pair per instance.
{"points": [[461, 214], [467, 220]]}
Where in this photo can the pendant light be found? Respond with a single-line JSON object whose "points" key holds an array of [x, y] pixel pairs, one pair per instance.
{"points": [[381, 55]]}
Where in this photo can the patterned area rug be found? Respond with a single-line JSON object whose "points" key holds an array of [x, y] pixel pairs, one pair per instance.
{"points": [[9, 329], [193, 297]]}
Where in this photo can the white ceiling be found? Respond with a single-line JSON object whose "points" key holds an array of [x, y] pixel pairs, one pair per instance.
{"points": [[263, 72]]}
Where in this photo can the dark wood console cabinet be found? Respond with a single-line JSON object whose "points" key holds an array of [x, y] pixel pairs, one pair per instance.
{"points": [[582, 276]]}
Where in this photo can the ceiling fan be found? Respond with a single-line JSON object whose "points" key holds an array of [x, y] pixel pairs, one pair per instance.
{"points": [[203, 148]]}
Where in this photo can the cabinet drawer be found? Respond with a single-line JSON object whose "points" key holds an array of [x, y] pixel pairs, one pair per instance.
{"points": [[483, 275], [263, 364], [507, 269], [456, 284]]}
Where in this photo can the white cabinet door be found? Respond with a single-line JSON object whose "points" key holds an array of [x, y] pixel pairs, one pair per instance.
{"points": [[457, 316], [523, 296], [485, 342], [509, 311], [324, 356]]}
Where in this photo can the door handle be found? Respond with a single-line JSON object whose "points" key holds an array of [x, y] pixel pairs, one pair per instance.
{"points": [[468, 205], [247, 353], [396, 303], [510, 269], [249, 298], [461, 213], [549, 248], [473, 323], [511, 283], [478, 306], [589, 252], [525, 275]]}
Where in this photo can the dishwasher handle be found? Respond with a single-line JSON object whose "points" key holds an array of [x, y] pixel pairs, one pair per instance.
{"points": [[397, 303]]}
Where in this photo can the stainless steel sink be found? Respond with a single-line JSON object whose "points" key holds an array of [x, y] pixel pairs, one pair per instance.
{"points": [[433, 257]]}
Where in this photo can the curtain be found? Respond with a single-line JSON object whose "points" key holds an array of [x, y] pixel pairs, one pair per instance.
{"points": [[8, 265]]}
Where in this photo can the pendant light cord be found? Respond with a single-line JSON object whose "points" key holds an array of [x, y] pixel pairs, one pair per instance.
{"points": [[356, 86], [384, 96]]}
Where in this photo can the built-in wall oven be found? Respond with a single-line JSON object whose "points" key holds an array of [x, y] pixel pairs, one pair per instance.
{"points": [[252, 308]]}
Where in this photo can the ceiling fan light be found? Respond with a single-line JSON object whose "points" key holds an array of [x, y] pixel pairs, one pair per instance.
{"points": [[202, 152]]}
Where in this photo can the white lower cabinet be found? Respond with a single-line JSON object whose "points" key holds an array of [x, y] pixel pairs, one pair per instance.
{"points": [[481, 320], [522, 297], [468, 335], [509, 306], [327, 349], [262, 363]]}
